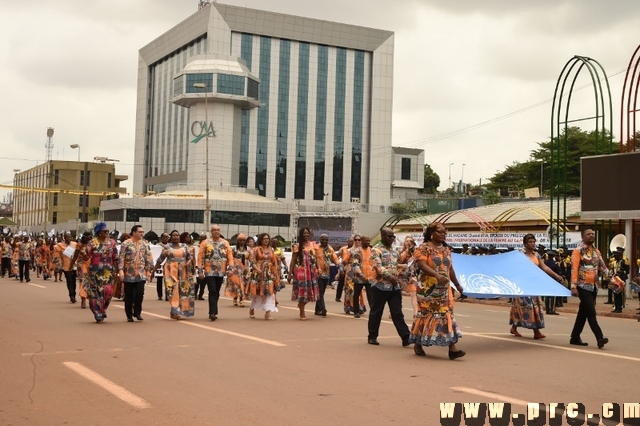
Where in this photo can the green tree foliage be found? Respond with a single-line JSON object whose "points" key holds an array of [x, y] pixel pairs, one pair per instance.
{"points": [[491, 198], [431, 180], [579, 143]]}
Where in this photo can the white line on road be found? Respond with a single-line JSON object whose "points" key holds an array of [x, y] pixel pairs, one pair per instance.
{"points": [[546, 345], [108, 385], [218, 330], [501, 398], [37, 285]]}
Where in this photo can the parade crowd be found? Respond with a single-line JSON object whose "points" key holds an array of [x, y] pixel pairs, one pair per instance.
{"points": [[254, 273]]}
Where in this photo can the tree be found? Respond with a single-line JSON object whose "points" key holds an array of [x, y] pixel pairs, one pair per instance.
{"points": [[579, 143], [94, 212], [491, 198], [431, 180]]}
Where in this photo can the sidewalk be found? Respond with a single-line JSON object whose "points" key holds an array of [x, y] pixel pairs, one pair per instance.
{"points": [[602, 309]]}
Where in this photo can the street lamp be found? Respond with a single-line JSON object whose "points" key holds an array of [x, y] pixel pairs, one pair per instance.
{"points": [[451, 164], [207, 211], [541, 174], [74, 146]]}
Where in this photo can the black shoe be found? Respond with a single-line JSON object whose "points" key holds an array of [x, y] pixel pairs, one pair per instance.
{"points": [[200, 298], [616, 311], [159, 298], [356, 315], [552, 313], [338, 300], [373, 342], [213, 317], [578, 342], [324, 312], [317, 313], [602, 342], [608, 303], [28, 280], [72, 299], [139, 318], [405, 342], [129, 319], [417, 349], [456, 354]]}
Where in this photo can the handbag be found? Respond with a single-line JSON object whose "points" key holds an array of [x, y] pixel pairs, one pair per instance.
{"points": [[117, 291]]}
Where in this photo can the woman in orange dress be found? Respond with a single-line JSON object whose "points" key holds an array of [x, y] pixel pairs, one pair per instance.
{"points": [[45, 259], [527, 311], [178, 274], [304, 272], [238, 281], [265, 278], [434, 324]]}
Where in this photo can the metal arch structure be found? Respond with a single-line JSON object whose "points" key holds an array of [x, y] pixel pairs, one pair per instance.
{"points": [[629, 104], [560, 121], [479, 220], [504, 217]]}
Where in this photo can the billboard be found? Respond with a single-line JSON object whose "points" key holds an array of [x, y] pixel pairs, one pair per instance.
{"points": [[337, 228]]}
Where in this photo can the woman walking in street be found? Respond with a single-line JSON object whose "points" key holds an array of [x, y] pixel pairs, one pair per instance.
{"points": [[265, 278], [178, 273], [434, 324], [104, 266], [527, 311], [238, 281], [304, 272]]}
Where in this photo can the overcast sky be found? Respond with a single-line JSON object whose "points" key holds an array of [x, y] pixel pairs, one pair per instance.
{"points": [[72, 65]]}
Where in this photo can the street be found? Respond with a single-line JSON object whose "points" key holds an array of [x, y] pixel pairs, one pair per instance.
{"points": [[60, 367]]}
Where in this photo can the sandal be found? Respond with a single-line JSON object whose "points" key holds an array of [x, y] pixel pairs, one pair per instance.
{"points": [[235, 301], [417, 349], [539, 336], [267, 316], [252, 313], [241, 303]]}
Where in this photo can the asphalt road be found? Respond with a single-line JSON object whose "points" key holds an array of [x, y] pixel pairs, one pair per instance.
{"points": [[58, 367]]}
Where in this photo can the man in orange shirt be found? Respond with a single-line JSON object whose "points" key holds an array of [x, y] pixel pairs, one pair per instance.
{"points": [[215, 260], [363, 273], [586, 261], [325, 256], [64, 257]]}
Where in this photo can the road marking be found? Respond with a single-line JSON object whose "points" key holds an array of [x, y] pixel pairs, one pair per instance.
{"points": [[501, 398], [108, 385], [547, 345], [218, 330], [37, 285]]}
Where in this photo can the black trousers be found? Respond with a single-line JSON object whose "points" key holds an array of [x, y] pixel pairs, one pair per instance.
{"points": [[23, 269], [159, 286], [322, 287], [71, 277], [6, 266], [586, 312], [213, 284], [549, 304], [133, 295], [340, 287], [394, 300], [357, 289], [200, 287], [617, 300]]}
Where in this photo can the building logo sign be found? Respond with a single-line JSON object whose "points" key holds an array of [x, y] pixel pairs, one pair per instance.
{"points": [[199, 129]]}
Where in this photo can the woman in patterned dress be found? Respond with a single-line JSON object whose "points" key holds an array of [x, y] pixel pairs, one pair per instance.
{"points": [[348, 280], [527, 311], [265, 278], [178, 274], [304, 272], [434, 324], [103, 270], [45, 259], [238, 281], [55, 266]]}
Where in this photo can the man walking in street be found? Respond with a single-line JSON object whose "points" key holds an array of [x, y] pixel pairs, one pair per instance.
{"points": [[215, 260], [325, 257], [137, 265], [63, 252], [159, 274], [385, 289], [7, 252], [586, 261], [360, 260]]}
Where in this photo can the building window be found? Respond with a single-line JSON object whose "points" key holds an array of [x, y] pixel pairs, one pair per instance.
{"points": [[253, 88], [206, 78], [321, 122], [54, 218], [282, 128], [83, 200], [55, 199], [56, 176], [108, 180], [406, 169], [263, 116], [231, 84], [84, 175]]}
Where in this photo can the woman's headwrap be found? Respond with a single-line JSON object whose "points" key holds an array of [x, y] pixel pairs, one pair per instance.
{"points": [[98, 227]]}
